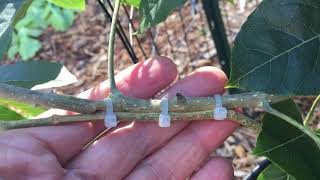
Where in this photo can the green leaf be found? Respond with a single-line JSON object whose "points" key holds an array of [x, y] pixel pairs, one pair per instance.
{"points": [[8, 114], [134, 3], [27, 111], [318, 133], [60, 19], [273, 172], [152, 12], [70, 4], [278, 49], [5, 40], [36, 75], [8, 10], [288, 147], [28, 47]]}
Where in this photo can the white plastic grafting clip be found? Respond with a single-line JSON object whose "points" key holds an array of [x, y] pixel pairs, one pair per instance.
{"points": [[110, 119], [219, 112], [164, 118]]}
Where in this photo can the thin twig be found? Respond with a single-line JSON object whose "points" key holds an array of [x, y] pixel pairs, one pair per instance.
{"points": [[134, 29], [119, 26], [155, 48], [187, 116], [121, 35], [308, 119]]}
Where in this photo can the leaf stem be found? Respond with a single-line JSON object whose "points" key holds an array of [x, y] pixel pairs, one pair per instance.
{"points": [[291, 121], [111, 45], [308, 119]]}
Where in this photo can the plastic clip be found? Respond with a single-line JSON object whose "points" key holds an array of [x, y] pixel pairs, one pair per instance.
{"points": [[110, 119], [219, 112], [164, 118]]}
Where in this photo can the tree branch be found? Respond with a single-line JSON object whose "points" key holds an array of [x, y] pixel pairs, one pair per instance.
{"points": [[123, 103]]}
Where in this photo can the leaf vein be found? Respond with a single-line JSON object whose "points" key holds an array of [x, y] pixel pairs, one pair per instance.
{"points": [[280, 145]]}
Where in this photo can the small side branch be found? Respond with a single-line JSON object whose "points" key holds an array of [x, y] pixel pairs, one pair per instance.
{"points": [[188, 116]]}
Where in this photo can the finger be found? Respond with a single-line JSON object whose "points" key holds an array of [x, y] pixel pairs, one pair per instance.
{"points": [[208, 81], [215, 169], [143, 80], [186, 151], [125, 147]]}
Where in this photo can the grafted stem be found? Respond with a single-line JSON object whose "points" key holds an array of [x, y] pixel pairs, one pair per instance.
{"points": [[180, 108], [123, 103]]}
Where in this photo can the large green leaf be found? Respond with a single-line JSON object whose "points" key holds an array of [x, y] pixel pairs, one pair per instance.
{"points": [[25, 110], [152, 12], [273, 172], [278, 49], [8, 10], [36, 75], [287, 146], [70, 4], [8, 114]]}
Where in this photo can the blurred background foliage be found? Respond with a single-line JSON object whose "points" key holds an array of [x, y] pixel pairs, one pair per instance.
{"points": [[39, 16]]}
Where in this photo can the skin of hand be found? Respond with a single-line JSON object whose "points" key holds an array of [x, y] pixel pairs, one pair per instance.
{"points": [[133, 150]]}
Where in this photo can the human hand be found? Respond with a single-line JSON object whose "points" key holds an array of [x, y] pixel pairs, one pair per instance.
{"points": [[133, 150]]}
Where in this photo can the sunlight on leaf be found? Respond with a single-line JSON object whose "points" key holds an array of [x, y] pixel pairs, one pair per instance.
{"points": [[134, 3], [25, 110], [30, 74], [152, 12], [70, 4], [8, 114]]}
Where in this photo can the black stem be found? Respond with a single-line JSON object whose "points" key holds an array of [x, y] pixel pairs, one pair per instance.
{"points": [[216, 25], [120, 33], [153, 41], [257, 170]]}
